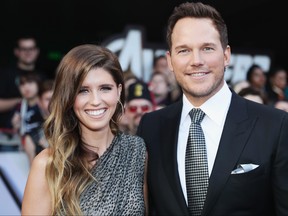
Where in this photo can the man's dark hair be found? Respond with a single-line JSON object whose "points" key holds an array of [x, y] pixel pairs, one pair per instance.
{"points": [[197, 10]]}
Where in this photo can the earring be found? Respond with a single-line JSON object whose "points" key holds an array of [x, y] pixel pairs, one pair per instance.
{"points": [[119, 117]]}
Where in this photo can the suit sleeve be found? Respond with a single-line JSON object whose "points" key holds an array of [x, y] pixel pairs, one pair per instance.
{"points": [[280, 173]]}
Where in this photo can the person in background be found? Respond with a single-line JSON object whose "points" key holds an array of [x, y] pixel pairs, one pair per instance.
{"points": [[252, 94], [160, 88], [45, 94], [256, 77], [282, 105], [238, 86], [129, 78], [257, 80], [276, 85], [26, 52], [140, 100], [246, 142], [90, 167], [160, 65], [36, 143], [27, 118]]}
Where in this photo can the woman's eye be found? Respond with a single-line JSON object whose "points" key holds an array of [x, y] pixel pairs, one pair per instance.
{"points": [[106, 88], [83, 90]]}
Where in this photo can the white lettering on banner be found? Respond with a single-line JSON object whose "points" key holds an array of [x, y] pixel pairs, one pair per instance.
{"points": [[132, 54], [240, 63]]}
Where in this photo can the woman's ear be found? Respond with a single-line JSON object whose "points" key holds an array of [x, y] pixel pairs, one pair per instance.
{"points": [[119, 90]]}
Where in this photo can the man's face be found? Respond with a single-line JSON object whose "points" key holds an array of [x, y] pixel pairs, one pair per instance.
{"points": [[135, 109], [197, 58], [27, 51]]}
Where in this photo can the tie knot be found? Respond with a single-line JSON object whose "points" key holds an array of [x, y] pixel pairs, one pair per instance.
{"points": [[196, 115]]}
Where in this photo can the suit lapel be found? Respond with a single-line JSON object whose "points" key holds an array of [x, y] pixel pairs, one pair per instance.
{"points": [[169, 139], [233, 140]]}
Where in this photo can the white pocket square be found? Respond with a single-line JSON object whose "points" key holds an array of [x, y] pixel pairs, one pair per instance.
{"points": [[243, 168]]}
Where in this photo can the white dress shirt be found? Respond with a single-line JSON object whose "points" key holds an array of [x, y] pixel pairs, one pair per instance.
{"points": [[216, 109]]}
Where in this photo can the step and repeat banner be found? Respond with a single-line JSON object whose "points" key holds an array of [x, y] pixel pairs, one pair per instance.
{"points": [[137, 54]]}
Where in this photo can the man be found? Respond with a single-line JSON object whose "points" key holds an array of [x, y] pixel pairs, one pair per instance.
{"points": [[139, 102], [26, 52], [246, 142]]}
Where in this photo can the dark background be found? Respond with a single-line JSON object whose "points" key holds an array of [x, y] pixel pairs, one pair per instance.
{"points": [[61, 24]]}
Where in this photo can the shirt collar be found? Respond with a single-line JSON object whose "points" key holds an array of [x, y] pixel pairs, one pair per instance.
{"points": [[215, 107]]}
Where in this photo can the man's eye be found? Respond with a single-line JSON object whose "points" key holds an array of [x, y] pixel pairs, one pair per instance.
{"points": [[208, 48], [183, 51]]}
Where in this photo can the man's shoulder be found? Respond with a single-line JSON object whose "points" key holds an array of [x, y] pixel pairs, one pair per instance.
{"points": [[8, 71], [14, 70], [10, 68]]}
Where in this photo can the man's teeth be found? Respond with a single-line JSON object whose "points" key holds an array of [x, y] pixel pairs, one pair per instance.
{"points": [[198, 74]]}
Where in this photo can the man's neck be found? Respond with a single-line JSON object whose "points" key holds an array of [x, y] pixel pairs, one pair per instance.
{"points": [[26, 67]]}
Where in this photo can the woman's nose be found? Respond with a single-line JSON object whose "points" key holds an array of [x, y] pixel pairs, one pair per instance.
{"points": [[95, 98]]}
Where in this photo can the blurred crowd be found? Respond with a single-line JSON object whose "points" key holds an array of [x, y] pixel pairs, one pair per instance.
{"points": [[266, 87], [25, 92]]}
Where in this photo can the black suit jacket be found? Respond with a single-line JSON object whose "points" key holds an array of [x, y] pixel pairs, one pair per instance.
{"points": [[253, 133]]}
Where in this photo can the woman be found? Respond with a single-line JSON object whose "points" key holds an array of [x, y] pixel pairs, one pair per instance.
{"points": [[257, 80], [277, 85], [90, 168]]}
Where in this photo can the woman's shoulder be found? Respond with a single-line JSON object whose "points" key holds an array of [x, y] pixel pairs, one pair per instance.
{"points": [[36, 199], [132, 140], [41, 159], [130, 137], [134, 146]]}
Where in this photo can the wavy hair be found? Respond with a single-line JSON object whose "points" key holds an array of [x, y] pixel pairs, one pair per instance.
{"points": [[67, 170]]}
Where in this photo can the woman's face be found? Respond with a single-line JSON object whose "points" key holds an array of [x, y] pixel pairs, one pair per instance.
{"points": [[96, 100], [159, 86], [280, 79], [258, 78]]}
